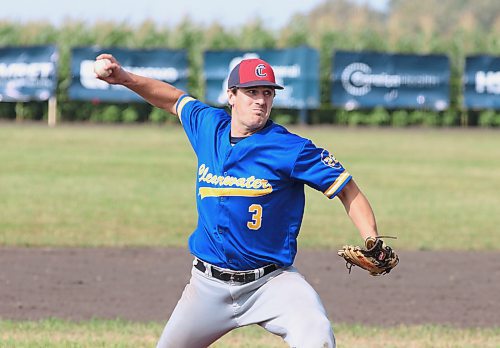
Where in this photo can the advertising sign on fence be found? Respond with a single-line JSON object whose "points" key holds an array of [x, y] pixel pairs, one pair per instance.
{"points": [[482, 82], [170, 66], [297, 69], [369, 79], [28, 73]]}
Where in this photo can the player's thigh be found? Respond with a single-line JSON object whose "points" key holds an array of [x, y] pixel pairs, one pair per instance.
{"points": [[201, 316], [290, 293], [295, 311]]}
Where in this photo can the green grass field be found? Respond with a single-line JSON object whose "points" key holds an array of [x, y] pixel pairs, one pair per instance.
{"points": [[98, 185], [116, 333], [115, 186]]}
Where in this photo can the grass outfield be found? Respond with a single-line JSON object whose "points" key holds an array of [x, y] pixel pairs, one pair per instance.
{"points": [[113, 186], [117, 333]]}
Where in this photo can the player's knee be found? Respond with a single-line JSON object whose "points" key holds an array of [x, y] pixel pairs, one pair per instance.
{"points": [[316, 333]]}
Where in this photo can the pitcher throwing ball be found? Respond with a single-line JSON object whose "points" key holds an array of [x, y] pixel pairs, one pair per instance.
{"points": [[250, 197]]}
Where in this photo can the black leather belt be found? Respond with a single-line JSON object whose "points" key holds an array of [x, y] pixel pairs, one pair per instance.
{"points": [[242, 277]]}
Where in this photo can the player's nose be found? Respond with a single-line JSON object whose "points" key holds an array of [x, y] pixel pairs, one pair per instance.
{"points": [[260, 99]]}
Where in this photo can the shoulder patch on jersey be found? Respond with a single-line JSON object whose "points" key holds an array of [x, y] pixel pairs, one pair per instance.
{"points": [[329, 160]]}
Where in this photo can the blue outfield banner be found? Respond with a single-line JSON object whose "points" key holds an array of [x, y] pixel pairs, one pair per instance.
{"points": [[482, 82], [297, 69], [28, 73], [170, 66], [370, 79]]}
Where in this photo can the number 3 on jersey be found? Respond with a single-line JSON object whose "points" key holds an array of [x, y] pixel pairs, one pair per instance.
{"points": [[256, 222]]}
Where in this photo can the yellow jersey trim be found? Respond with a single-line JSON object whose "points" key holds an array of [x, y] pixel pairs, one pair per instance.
{"points": [[336, 184], [181, 104], [233, 192]]}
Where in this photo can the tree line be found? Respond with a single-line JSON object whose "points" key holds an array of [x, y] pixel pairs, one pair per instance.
{"points": [[456, 28]]}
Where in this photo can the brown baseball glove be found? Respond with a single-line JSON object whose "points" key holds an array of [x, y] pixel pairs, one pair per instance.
{"points": [[377, 257]]}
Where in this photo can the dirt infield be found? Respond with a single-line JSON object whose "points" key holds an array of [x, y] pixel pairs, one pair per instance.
{"points": [[144, 284]]}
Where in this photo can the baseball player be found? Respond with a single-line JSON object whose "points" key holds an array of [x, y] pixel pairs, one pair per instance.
{"points": [[250, 198]]}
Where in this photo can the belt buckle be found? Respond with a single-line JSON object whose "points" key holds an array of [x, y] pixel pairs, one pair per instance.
{"points": [[230, 274]]}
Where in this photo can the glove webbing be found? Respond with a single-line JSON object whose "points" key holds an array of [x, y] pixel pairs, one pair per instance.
{"points": [[349, 265]]}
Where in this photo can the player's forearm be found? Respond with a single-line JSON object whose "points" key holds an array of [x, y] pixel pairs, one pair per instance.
{"points": [[157, 93], [362, 216], [359, 210]]}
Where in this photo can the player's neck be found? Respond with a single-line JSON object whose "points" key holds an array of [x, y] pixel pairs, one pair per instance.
{"points": [[242, 132], [239, 131]]}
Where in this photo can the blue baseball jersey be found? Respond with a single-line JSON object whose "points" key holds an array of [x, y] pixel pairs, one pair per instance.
{"points": [[250, 196]]}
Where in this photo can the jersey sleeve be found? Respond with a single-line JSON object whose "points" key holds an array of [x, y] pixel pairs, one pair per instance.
{"points": [[193, 114], [320, 170]]}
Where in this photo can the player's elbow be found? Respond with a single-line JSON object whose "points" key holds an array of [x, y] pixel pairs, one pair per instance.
{"points": [[349, 192]]}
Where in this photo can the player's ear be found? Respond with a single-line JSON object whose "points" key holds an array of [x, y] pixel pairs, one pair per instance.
{"points": [[231, 95]]}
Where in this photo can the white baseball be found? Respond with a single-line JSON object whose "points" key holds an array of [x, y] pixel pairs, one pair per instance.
{"points": [[100, 67]]}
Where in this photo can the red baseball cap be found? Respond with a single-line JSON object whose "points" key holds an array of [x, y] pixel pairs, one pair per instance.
{"points": [[252, 73]]}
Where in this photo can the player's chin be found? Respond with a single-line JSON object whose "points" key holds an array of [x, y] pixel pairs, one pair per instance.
{"points": [[259, 120], [260, 116]]}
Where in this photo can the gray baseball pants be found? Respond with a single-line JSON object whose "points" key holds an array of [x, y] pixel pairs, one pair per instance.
{"points": [[282, 302]]}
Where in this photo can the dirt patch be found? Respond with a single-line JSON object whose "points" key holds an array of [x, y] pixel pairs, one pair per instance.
{"points": [[144, 284]]}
